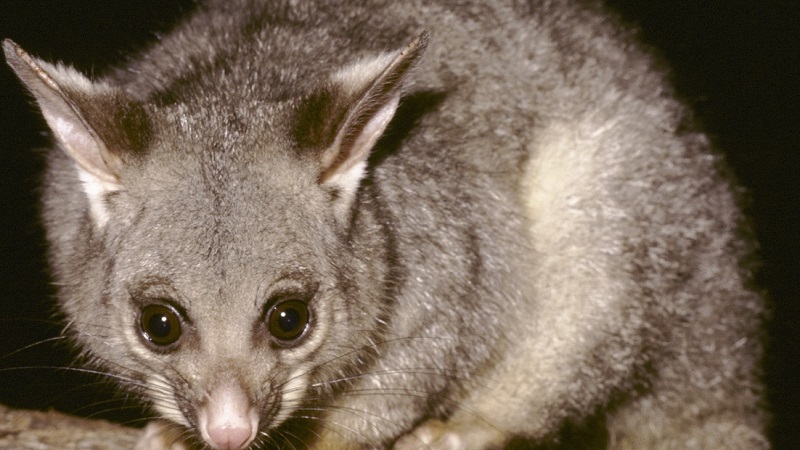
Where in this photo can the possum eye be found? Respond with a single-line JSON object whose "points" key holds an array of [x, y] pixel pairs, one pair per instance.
{"points": [[288, 320], [160, 325]]}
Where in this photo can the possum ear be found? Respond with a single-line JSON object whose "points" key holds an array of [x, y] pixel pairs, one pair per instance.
{"points": [[96, 124], [344, 119]]}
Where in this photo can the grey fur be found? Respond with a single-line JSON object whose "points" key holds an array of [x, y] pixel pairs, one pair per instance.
{"points": [[541, 240]]}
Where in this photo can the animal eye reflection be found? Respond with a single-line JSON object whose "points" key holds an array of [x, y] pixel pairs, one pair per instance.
{"points": [[160, 325], [288, 320]]}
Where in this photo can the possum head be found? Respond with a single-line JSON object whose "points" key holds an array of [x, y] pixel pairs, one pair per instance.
{"points": [[206, 261]]}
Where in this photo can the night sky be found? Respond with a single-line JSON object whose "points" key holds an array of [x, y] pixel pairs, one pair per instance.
{"points": [[736, 62]]}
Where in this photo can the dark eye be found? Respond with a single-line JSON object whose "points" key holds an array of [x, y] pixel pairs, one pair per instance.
{"points": [[288, 320], [160, 324]]}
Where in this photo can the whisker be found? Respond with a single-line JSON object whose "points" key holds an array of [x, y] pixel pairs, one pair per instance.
{"points": [[327, 426], [360, 349], [33, 345], [452, 375]]}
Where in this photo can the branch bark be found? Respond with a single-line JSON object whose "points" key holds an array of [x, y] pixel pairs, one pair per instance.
{"points": [[36, 430]]}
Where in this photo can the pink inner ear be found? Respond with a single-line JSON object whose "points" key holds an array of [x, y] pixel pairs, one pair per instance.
{"points": [[369, 134], [378, 83], [353, 145], [51, 85], [54, 88], [80, 144]]}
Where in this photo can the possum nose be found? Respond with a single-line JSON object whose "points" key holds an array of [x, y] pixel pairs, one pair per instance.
{"points": [[227, 420], [229, 437]]}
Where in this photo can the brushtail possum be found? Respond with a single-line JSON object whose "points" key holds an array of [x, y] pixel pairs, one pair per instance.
{"points": [[401, 225]]}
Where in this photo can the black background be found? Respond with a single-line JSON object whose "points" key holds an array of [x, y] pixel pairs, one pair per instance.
{"points": [[737, 62]]}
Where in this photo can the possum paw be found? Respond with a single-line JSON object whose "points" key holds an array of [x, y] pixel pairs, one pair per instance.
{"points": [[437, 435], [161, 435]]}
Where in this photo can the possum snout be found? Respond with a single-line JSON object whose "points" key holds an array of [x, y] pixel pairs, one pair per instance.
{"points": [[228, 420]]}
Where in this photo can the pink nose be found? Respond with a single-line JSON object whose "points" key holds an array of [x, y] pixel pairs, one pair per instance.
{"points": [[230, 437], [227, 420]]}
